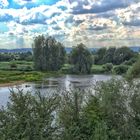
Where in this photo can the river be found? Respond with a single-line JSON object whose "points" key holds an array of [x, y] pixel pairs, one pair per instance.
{"points": [[51, 84]]}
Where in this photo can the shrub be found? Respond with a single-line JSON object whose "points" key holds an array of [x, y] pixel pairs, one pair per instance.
{"points": [[131, 61], [108, 67], [13, 65], [120, 69], [67, 69], [28, 117], [97, 69], [134, 72]]}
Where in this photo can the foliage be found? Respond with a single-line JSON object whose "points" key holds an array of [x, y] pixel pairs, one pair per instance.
{"points": [[123, 54], [100, 55], [28, 117], [109, 55], [28, 76], [49, 55], [67, 69], [108, 67], [115, 56], [120, 69], [134, 72], [16, 65], [111, 113], [97, 69], [81, 58], [20, 56], [13, 65]]}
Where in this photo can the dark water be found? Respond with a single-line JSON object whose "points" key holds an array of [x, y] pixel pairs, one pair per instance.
{"points": [[49, 85]]}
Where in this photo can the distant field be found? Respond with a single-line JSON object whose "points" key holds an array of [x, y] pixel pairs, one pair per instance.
{"points": [[21, 71], [17, 65]]}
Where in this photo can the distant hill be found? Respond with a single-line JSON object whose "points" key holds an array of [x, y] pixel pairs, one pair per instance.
{"points": [[68, 50], [16, 50], [135, 49]]}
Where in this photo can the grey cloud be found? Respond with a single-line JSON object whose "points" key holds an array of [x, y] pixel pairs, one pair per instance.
{"points": [[135, 22], [104, 6]]}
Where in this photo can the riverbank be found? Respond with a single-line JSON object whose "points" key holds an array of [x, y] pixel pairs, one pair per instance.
{"points": [[10, 84], [15, 77]]}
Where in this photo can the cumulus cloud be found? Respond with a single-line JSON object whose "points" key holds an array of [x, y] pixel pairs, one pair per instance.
{"points": [[94, 6], [3, 3], [130, 16], [98, 22]]}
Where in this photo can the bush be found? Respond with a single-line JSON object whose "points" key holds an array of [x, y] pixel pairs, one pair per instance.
{"points": [[28, 117], [131, 61], [111, 113], [13, 65], [97, 69], [28, 68], [67, 69], [108, 67], [134, 72], [120, 69]]}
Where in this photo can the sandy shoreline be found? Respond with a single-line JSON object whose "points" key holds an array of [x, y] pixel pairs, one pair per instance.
{"points": [[12, 83]]}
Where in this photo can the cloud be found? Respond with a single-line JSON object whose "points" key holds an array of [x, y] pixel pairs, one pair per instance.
{"points": [[130, 16], [3, 3], [94, 6], [93, 22]]}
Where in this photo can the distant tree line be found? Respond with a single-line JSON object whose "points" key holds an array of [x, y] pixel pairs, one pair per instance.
{"points": [[50, 55], [115, 56], [21, 56]]}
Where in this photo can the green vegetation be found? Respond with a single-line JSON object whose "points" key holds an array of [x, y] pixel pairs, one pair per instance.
{"points": [[33, 76], [49, 55], [81, 60], [116, 56], [16, 65], [111, 113], [21, 56], [134, 71]]}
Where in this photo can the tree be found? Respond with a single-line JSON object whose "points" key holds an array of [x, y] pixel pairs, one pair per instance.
{"points": [[123, 54], [49, 55], [134, 72], [100, 55], [81, 58], [108, 57]]}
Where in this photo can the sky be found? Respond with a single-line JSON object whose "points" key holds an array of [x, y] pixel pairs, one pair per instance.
{"points": [[96, 23]]}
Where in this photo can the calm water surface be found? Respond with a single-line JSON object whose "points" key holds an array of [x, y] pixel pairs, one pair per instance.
{"points": [[51, 84]]}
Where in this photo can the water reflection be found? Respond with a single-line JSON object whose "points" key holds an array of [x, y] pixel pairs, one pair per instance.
{"points": [[49, 85]]}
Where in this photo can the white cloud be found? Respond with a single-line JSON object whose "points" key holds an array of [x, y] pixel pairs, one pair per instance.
{"points": [[4, 3], [130, 15]]}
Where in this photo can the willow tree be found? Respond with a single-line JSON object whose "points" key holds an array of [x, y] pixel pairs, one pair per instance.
{"points": [[49, 54], [81, 58]]}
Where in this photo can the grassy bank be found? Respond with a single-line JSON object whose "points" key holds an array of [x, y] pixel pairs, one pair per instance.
{"points": [[23, 71], [12, 76]]}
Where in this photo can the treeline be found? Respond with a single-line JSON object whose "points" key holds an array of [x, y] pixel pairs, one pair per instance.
{"points": [[115, 56], [23, 56], [111, 113], [50, 55]]}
